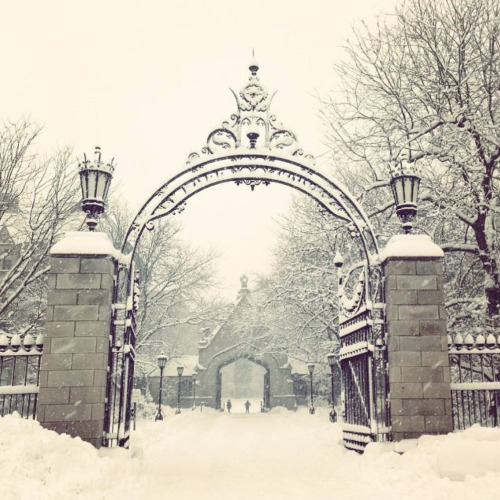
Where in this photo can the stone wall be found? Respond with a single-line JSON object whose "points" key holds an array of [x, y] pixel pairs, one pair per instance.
{"points": [[419, 374], [73, 374]]}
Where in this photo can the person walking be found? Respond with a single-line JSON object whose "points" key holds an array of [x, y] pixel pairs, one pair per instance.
{"points": [[229, 405], [247, 406]]}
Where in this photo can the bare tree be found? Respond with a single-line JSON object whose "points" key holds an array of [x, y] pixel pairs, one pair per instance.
{"points": [[37, 197], [425, 84], [174, 284]]}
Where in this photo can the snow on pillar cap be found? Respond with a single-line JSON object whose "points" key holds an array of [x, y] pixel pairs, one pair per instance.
{"points": [[410, 245], [85, 243]]}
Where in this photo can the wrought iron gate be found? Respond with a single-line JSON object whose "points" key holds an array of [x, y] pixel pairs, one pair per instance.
{"points": [[121, 362], [363, 358]]}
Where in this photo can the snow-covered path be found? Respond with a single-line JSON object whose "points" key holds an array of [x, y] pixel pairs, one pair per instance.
{"points": [[280, 455]]}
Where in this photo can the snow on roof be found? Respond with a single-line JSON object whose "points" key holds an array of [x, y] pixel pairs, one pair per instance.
{"points": [[298, 367], [85, 243], [410, 245]]}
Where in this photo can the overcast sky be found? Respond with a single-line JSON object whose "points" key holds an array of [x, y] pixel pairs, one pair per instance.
{"points": [[148, 80]]}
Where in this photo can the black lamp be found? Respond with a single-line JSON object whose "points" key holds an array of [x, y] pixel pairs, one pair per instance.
{"points": [[95, 179], [405, 184]]}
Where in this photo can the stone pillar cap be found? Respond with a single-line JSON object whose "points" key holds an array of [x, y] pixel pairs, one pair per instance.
{"points": [[85, 243], [411, 246]]}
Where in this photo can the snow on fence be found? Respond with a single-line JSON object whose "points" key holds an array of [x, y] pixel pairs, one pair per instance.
{"points": [[19, 374], [475, 380]]}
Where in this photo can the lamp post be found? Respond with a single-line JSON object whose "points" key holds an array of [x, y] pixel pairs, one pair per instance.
{"points": [[310, 367], [162, 361], [180, 370], [404, 184], [95, 179], [331, 362], [193, 380]]}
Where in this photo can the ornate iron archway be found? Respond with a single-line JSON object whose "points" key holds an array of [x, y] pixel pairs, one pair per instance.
{"points": [[254, 148]]}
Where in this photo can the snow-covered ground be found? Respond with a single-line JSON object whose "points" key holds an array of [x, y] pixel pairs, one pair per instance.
{"points": [[277, 455]]}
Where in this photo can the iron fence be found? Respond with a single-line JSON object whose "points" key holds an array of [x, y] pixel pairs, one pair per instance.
{"points": [[475, 380], [19, 374]]}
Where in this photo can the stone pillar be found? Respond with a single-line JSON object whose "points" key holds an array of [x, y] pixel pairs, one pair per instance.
{"points": [[419, 373], [73, 373]]}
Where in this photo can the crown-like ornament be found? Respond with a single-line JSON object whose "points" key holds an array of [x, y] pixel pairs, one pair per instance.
{"points": [[253, 127]]}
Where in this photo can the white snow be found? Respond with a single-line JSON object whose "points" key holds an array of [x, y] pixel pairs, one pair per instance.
{"points": [[85, 243], [410, 245], [19, 389], [279, 455]]}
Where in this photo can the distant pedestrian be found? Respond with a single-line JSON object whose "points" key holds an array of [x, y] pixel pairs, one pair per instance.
{"points": [[247, 406], [229, 405]]}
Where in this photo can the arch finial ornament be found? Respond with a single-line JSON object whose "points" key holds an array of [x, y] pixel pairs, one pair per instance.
{"points": [[253, 126]]}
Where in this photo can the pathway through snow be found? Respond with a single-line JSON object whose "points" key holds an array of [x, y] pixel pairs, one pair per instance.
{"points": [[208, 456]]}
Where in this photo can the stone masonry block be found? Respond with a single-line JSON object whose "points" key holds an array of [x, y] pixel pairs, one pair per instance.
{"points": [[402, 328], [59, 427], [394, 374], [406, 390], [435, 297], [71, 378], [414, 423], [404, 358], [97, 266], [405, 282], [105, 313], [92, 329], [391, 283], [102, 344], [40, 411], [54, 396], [90, 361], [98, 411], [437, 390], [100, 378], [396, 266], [61, 361], [86, 429], [429, 267], [68, 412], [421, 374], [76, 313], [423, 407], [425, 343], [49, 313], [394, 342], [418, 312], [107, 282], [403, 297], [442, 312], [74, 345], [397, 406], [435, 359], [87, 395], [432, 327], [391, 312], [438, 424], [59, 328], [64, 265], [78, 281], [44, 375], [52, 281], [94, 297], [62, 297]]}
